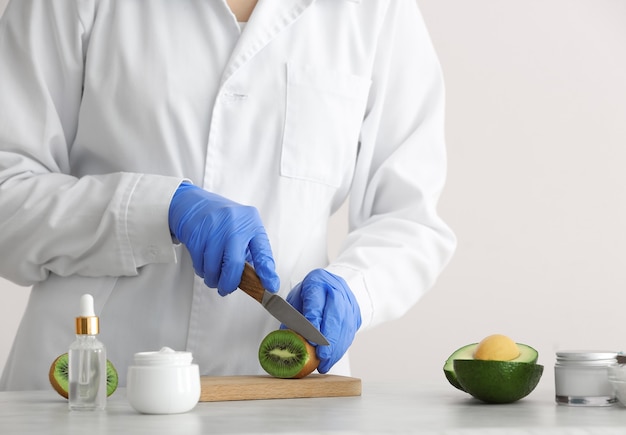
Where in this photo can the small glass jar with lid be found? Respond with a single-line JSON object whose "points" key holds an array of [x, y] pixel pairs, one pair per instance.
{"points": [[581, 378], [617, 378]]}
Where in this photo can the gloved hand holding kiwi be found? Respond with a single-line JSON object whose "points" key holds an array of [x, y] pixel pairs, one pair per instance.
{"points": [[220, 235], [329, 304]]}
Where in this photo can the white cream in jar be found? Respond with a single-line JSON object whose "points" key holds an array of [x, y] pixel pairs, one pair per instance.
{"points": [[581, 378], [163, 382]]}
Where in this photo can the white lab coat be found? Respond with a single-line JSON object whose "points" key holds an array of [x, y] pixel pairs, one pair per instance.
{"points": [[106, 105]]}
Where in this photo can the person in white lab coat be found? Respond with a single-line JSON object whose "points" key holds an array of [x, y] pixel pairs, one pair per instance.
{"points": [[148, 148]]}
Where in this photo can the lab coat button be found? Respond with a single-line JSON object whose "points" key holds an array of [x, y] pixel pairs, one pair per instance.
{"points": [[151, 252], [233, 96]]}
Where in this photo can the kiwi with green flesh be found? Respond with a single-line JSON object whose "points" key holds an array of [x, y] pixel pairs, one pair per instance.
{"points": [[59, 376], [286, 354]]}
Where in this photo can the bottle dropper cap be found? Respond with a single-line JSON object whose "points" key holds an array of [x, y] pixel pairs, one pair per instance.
{"points": [[87, 323]]}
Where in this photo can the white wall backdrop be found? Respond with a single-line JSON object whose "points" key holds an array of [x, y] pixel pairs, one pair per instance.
{"points": [[536, 131]]}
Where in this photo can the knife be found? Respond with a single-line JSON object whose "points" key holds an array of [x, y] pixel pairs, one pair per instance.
{"points": [[279, 308]]}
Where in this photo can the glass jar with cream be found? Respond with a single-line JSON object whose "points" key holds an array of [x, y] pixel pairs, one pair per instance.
{"points": [[581, 378]]}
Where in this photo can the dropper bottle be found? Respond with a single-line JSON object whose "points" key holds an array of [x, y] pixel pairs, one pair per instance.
{"points": [[87, 362]]}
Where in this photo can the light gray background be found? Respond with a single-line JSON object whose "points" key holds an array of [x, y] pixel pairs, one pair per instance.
{"points": [[536, 132]]}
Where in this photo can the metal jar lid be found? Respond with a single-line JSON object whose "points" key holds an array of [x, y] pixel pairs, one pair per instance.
{"points": [[585, 357]]}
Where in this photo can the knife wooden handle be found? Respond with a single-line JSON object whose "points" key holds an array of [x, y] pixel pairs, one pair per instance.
{"points": [[251, 284]]}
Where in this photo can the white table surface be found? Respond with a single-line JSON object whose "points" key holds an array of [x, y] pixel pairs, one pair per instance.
{"points": [[393, 407]]}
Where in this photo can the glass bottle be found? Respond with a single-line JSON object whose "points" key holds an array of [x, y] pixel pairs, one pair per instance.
{"points": [[87, 362]]}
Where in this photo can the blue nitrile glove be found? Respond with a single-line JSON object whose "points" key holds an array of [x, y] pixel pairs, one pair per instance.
{"points": [[329, 304], [220, 235]]}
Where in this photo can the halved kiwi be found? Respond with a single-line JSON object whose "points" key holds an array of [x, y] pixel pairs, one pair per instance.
{"points": [[286, 354], [59, 376]]}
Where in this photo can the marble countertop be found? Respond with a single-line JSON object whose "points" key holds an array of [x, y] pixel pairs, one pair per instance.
{"points": [[392, 407]]}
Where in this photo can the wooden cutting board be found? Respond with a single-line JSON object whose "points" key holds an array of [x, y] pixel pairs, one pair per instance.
{"points": [[222, 388]]}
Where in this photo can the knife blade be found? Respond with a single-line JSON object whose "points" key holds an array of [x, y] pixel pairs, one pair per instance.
{"points": [[279, 308]]}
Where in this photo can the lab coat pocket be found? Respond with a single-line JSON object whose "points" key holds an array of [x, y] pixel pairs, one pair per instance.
{"points": [[323, 119]]}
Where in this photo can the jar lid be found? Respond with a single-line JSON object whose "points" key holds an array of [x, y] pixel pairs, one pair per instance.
{"points": [[164, 357], [586, 357]]}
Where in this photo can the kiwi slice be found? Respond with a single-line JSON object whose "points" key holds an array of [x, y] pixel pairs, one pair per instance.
{"points": [[286, 354], [112, 378], [59, 376]]}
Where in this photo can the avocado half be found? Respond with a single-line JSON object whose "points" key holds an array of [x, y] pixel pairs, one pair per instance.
{"points": [[497, 381], [527, 355]]}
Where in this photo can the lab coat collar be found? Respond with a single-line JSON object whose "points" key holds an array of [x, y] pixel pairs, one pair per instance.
{"points": [[270, 17]]}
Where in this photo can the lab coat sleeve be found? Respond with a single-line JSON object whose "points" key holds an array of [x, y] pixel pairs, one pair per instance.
{"points": [[52, 221], [397, 244]]}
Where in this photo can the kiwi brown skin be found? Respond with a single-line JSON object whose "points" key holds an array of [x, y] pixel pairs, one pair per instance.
{"points": [[61, 385], [285, 338], [61, 359]]}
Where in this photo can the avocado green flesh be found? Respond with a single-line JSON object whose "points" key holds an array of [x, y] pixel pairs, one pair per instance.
{"points": [[527, 355], [497, 381], [465, 352]]}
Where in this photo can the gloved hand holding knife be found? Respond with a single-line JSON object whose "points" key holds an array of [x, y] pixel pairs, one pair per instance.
{"points": [[220, 234]]}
